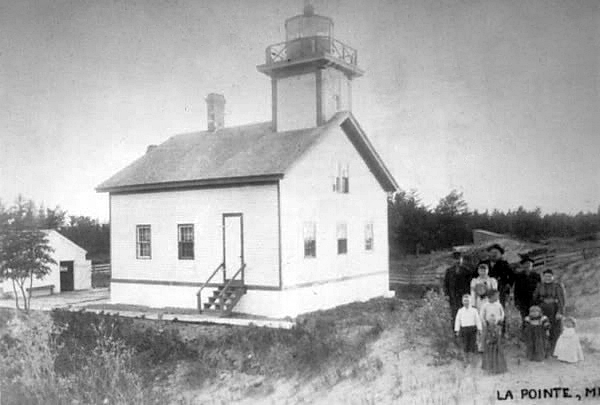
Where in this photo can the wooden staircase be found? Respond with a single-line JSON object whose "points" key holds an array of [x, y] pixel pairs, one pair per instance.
{"points": [[226, 296]]}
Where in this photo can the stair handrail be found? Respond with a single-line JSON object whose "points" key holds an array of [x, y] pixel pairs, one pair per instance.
{"points": [[199, 293], [219, 297]]}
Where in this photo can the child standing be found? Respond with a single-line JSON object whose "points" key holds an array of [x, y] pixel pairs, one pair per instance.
{"points": [[568, 347], [536, 333], [466, 326], [490, 307]]}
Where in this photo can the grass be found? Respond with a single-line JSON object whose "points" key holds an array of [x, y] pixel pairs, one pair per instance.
{"points": [[155, 354]]}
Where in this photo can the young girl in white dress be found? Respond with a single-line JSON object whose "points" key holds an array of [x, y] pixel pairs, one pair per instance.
{"points": [[568, 348], [481, 285]]}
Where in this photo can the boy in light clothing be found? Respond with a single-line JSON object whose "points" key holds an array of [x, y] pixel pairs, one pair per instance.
{"points": [[467, 326]]}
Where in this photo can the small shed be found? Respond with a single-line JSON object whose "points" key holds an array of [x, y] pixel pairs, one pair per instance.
{"points": [[70, 272]]}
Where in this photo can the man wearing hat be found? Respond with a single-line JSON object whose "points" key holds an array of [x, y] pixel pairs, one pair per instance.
{"points": [[501, 271], [526, 281], [550, 296], [457, 282]]}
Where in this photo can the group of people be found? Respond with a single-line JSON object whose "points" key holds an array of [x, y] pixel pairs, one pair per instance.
{"points": [[478, 301]]}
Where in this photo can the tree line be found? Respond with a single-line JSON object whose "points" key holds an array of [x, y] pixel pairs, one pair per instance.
{"points": [[415, 227]]}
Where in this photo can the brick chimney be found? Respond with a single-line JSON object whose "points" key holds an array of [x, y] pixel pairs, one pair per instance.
{"points": [[215, 109]]}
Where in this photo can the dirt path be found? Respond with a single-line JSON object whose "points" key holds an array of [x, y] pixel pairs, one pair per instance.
{"points": [[391, 374]]}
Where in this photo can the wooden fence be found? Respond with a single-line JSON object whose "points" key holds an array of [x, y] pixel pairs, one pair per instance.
{"points": [[105, 267], [431, 275], [400, 274], [101, 275]]}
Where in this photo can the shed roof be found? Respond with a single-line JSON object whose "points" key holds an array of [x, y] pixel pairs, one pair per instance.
{"points": [[55, 233], [243, 154]]}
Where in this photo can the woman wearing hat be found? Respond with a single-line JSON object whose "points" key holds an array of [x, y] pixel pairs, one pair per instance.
{"points": [[550, 296], [501, 271], [526, 281]]}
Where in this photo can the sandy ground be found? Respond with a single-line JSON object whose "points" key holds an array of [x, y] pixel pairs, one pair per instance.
{"points": [[62, 300], [392, 374]]}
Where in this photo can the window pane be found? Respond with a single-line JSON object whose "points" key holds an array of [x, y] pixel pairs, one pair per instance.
{"points": [[310, 239], [185, 247], [143, 236], [186, 250], [369, 236], [342, 246], [186, 233], [310, 248], [342, 238]]}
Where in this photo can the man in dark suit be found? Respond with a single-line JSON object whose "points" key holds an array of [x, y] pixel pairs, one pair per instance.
{"points": [[526, 281], [457, 282], [501, 271]]}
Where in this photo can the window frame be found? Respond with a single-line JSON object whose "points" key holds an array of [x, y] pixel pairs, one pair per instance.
{"points": [[182, 243], [342, 242], [310, 251], [140, 243], [369, 237], [341, 178]]}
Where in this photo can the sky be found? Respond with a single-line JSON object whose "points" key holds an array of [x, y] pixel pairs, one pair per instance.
{"points": [[498, 99]]}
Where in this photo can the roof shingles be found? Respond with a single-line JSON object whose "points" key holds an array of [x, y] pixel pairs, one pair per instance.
{"points": [[244, 151]]}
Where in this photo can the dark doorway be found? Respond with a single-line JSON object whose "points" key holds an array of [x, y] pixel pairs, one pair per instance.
{"points": [[66, 276]]}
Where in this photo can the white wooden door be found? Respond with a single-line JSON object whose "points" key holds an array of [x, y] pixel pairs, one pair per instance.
{"points": [[233, 243]]}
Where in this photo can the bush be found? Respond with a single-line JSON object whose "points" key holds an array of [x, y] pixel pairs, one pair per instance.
{"points": [[431, 320], [27, 353], [106, 376], [81, 332], [29, 373]]}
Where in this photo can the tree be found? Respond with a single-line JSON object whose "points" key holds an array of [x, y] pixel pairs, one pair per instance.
{"points": [[24, 249], [24, 254], [452, 205], [409, 223], [91, 235]]}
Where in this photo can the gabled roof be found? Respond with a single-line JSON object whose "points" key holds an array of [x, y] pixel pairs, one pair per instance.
{"points": [[245, 154], [64, 238]]}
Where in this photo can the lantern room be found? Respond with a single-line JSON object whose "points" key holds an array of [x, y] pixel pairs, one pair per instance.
{"points": [[311, 72], [309, 37]]}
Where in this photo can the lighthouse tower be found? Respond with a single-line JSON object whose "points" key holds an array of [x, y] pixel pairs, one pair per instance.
{"points": [[311, 73]]}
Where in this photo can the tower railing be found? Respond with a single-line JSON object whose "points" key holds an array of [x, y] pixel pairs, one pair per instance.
{"points": [[307, 47]]}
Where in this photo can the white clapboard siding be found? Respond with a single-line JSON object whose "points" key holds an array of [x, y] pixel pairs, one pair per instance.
{"points": [[204, 209]]}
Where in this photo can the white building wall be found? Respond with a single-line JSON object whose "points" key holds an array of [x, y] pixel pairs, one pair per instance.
{"points": [[203, 208], [275, 304], [336, 92], [297, 102], [307, 195], [66, 250]]}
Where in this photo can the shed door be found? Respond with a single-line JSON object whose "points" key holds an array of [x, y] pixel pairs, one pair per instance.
{"points": [[233, 243], [66, 276]]}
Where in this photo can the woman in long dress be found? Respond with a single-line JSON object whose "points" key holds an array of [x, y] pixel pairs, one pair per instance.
{"points": [[479, 290], [493, 359]]}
